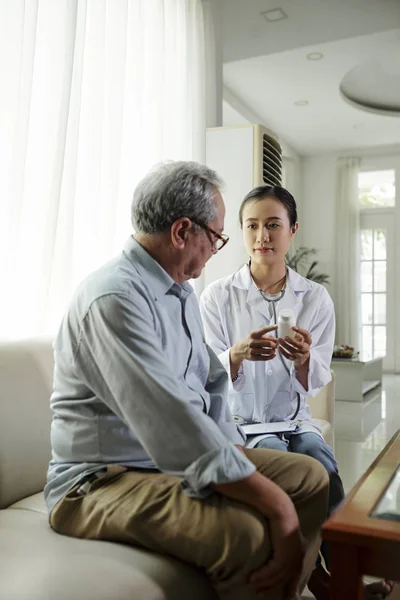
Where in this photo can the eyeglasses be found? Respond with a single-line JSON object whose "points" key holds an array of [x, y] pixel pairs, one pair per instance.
{"points": [[221, 240]]}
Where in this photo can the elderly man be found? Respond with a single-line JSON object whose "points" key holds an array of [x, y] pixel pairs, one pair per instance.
{"points": [[145, 451]]}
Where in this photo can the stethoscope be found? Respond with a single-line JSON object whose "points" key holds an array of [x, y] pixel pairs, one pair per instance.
{"points": [[272, 300]]}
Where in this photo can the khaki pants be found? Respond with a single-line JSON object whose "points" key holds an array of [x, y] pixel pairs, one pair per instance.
{"points": [[227, 539]]}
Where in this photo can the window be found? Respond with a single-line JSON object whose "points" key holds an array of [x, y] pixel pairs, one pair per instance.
{"points": [[377, 201], [373, 291], [376, 189]]}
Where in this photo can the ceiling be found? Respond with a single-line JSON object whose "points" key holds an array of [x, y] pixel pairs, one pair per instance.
{"points": [[266, 68]]}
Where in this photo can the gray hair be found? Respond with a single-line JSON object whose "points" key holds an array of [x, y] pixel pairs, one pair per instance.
{"points": [[173, 190]]}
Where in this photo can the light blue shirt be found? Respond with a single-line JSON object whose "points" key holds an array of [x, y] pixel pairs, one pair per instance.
{"points": [[136, 385]]}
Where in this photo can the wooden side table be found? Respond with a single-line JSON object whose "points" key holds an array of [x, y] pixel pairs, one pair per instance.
{"points": [[364, 533]]}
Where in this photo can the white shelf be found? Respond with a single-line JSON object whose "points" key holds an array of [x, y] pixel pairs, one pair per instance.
{"points": [[355, 378], [370, 385]]}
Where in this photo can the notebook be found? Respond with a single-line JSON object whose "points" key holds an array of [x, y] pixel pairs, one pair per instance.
{"points": [[278, 427]]}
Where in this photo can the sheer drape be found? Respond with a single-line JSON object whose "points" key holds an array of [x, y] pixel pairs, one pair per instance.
{"points": [[347, 253], [93, 93]]}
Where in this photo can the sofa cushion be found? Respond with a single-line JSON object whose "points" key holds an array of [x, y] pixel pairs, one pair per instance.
{"points": [[38, 564], [26, 378], [326, 430]]}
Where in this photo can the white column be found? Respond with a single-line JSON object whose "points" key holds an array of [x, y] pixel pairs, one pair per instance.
{"points": [[214, 62], [212, 11]]}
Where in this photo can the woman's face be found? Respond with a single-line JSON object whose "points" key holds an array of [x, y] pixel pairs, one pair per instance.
{"points": [[267, 232]]}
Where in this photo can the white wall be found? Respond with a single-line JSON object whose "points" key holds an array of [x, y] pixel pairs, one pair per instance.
{"points": [[317, 219]]}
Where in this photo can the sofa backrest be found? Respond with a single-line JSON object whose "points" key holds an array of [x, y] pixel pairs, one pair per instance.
{"points": [[323, 404], [26, 379]]}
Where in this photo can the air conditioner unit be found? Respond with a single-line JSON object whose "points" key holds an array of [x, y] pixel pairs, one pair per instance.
{"points": [[245, 157]]}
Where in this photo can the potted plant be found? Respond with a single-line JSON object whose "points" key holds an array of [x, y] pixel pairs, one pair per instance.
{"points": [[302, 261]]}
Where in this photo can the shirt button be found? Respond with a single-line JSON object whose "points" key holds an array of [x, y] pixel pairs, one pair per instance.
{"points": [[269, 372]]}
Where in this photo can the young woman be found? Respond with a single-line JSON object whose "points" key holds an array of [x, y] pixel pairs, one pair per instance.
{"points": [[270, 377]]}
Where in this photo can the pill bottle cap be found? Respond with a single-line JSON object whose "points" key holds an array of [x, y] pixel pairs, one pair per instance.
{"points": [[286, 314]]}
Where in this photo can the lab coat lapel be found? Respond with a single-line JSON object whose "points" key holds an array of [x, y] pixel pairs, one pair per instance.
{"points": [[244, 281], [289, 300], [257, 302], [296, 286]]}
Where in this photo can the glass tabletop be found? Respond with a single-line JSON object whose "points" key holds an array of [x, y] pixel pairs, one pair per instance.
{"points": [[388, 507]]}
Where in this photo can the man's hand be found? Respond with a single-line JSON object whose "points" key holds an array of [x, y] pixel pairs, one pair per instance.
{"points": [[240, 448], [285, 567]]}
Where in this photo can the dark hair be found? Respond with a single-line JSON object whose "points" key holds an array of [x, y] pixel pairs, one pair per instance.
{"points": [[271, 191]]}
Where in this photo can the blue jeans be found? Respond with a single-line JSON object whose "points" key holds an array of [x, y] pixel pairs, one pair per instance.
{"points": [[312, 445]]}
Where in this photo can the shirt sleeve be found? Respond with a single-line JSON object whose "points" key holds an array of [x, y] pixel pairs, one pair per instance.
{"points": [[215, 336], [323, 335], [217, 387], [120, 357]]}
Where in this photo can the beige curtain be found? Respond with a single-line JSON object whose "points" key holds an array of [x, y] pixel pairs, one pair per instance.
{"points": [[347, 254]]}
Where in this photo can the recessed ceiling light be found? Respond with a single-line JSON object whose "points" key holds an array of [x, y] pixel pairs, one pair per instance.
{"points": [[301, 103], [315, 56], [275, 14]]}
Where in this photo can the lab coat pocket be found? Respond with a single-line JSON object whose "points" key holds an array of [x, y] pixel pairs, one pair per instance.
{"points": [[279, 409], [242, 405]]}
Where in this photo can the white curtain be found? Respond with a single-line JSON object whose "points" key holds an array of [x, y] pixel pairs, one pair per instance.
{"points": [[214, 77], [347, 242], [93, 93]]}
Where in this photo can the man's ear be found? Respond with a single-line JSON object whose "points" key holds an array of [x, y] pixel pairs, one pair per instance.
{"points": [[180, 230]]}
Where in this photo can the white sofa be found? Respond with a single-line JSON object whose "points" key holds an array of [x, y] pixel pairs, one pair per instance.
{"points": [[35, 562]]}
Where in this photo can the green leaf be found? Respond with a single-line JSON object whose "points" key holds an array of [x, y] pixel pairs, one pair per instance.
{"points": [[302, 262]]}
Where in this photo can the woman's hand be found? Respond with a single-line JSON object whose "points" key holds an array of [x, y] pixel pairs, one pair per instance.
{"points": [[257, 346], [296, 349]]}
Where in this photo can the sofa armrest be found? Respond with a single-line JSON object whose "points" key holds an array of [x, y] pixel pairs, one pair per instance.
{"points": [[323, 405]]}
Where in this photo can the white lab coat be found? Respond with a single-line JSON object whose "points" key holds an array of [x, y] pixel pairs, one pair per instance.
{"points": [[231, 308]]}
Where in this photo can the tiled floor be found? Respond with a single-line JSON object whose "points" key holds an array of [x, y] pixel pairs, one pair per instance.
{"points": [[363, 430]]}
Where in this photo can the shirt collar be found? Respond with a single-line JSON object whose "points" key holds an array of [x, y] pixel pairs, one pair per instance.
{"points": [[155, 277], [295, 284], [243, 280]]}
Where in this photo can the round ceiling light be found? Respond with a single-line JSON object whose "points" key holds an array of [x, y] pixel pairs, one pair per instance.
{"points": [[301, 103], [374, 86], [315, 56]]}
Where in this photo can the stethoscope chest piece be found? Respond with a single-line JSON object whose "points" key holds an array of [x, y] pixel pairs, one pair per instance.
{"points": [[238, 419]]}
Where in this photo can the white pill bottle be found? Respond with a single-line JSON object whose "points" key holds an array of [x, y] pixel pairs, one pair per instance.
{"points": [[286, 322]]}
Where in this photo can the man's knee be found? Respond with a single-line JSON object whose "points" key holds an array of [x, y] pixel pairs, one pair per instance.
{"points": [[311, 498], [297, 474], [242, 543], [315, 475]]}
